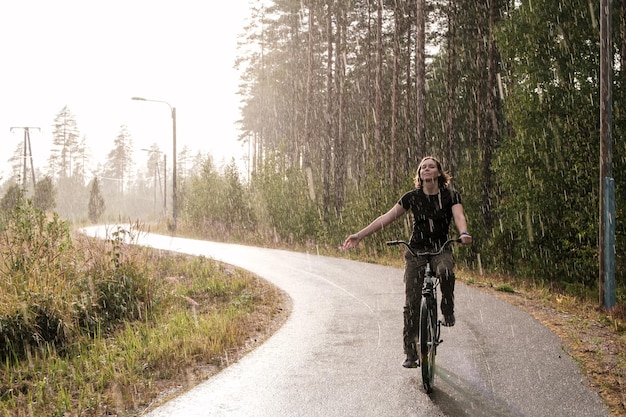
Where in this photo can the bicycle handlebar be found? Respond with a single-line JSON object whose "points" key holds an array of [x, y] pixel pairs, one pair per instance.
{"points": [[428, 254]]}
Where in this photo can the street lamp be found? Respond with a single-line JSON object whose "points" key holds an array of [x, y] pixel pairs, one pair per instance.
{"points": [[173, 111], [156, 169]]}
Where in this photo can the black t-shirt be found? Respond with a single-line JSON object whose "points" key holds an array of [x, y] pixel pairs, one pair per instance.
{"points": [[431, 216]]}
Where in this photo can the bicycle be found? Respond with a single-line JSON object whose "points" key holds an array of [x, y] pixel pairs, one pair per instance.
{"points": [[430, 325]]}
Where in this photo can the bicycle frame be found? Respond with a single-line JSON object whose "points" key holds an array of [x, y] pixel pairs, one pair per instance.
{"points": [[430, 325], [430, 282]]}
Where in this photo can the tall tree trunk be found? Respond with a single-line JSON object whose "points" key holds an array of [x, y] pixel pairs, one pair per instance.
{"points": [[378, 100], [451, 79], [327, 137], [480, 106], [410, 151], [306, 157], [395, 93], [477, 96], [340, 166], [296, 144], [492, 134], [260, 142], [368, 96], [622, 20], [420, 78]]}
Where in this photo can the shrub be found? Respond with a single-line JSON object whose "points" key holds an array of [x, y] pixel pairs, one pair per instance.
{"points": [[55, 292]]}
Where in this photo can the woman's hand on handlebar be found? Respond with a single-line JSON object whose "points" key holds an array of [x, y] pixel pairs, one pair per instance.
{"points": [[466, 239]]}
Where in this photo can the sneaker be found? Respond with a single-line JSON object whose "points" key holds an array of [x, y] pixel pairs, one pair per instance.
{"points": [[411, 362], [448, 321]]}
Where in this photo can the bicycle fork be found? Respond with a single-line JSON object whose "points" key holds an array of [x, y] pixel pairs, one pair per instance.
{"points": [[431, 301], [429, 293]]}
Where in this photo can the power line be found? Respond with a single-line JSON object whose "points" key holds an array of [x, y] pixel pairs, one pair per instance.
{"points": [[28, 154]]}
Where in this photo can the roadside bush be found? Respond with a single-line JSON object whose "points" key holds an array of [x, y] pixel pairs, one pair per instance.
{"points": [[34, 271], [118, 282], [55, 292]]}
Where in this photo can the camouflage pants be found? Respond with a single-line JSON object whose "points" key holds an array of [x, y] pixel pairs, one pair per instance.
{"points": [[443, 264]]}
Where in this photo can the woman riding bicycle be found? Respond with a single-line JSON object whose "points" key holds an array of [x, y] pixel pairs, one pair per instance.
{"points": [[434, 205]]}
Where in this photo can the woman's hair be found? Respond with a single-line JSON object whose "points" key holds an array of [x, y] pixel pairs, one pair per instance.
{"points": [[444, 178]]}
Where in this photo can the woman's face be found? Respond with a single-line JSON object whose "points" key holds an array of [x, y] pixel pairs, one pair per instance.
{"points": [[429, 170]]}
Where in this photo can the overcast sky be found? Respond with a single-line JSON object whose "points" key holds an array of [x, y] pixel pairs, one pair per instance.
{"points": [[94, 56]]}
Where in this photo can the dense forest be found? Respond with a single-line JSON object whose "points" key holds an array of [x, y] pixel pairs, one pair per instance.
{"points": [[340, 100]]}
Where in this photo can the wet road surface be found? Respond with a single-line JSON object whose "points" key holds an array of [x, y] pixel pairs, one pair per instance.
{"points": [[340, 351]]}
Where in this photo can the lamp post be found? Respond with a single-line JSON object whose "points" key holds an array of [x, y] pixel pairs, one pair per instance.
{"points": [[156, 169], [173, 111]]}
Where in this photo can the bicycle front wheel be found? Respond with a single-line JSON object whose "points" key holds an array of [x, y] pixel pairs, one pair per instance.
{"points": [[428, 342]]}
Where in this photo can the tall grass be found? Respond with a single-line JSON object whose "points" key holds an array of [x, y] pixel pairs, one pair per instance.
{"points": [[97, 327]]}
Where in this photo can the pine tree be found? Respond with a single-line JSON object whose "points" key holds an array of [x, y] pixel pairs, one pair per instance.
{"points": [[96, 201], [65, 144], [120, 160], [44, 198], [11, 198]]}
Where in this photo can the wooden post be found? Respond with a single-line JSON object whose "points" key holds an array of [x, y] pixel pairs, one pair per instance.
{"points": [[606, 238]]}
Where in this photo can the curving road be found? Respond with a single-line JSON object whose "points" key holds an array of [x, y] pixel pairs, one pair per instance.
{"points": [[340, 351]]}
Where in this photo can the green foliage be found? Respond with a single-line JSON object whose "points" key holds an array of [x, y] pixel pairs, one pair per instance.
{"points": [[36, 258], [197, 202], [239, 211], [45, 194], [65, 139], [374, 198], [53, 293], [96, 205], [215, 205], [119, 163], [196, 313], [505, 288], [33, 245], [283, 195], [527, 168], [13, 196], [549, 182]]}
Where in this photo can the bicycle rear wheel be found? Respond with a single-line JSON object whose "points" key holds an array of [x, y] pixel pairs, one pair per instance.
{"points": [[428, 342]]}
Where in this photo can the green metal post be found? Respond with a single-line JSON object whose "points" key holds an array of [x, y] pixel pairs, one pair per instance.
{"points": [[609, 243]]}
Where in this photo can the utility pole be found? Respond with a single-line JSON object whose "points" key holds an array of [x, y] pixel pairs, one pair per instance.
{"points": [[606, 238], [28, 153], [164, 185], [174, 198]]}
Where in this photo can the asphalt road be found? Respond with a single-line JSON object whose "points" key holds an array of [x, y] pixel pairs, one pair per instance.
{"points": [[340, 351]]}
